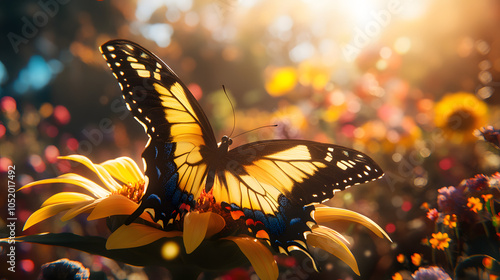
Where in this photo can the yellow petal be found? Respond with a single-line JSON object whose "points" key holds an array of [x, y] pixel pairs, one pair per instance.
{"points": [[123, 169], [215, 225], [328, 214], [66, 197], [108, 181], [116, 204], [198, 226], [329, 231], [47, 212], [136, 235], [195, 229], [80, 208], [334, 246], [260, 257], [74, 179]]}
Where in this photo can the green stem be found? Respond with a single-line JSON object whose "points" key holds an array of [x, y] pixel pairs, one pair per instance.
{"points": [[450, 259], [485, 229]]}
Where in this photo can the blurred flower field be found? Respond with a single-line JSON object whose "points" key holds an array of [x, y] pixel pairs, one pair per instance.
{"points": [[413, 84]]}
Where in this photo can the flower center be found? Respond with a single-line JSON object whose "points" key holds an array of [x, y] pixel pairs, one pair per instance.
{"points": [[132, 191], [461, 120]]}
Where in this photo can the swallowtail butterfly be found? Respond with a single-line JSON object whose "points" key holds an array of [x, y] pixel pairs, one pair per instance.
{"points": [[269, 187]]}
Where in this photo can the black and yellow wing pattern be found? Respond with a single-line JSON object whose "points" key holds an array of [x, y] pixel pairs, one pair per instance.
{"points": [[270, 186]]}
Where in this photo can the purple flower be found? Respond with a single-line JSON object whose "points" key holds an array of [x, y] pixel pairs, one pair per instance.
{"points": [[479, 182], [451, 200], [491, 135], [431, 273], [64, 269]]}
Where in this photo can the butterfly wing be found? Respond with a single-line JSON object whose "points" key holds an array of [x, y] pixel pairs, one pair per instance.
{"points": [[178, 129], [272, 184]]}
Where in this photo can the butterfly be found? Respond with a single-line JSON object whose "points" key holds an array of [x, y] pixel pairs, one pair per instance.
{"points": [[270, 187]]}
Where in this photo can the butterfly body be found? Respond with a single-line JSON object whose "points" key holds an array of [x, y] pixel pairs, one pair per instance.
{"points": [[266, 188]]}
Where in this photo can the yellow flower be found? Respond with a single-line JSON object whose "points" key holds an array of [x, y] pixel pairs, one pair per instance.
{"points": [[459, 114], [416, 259], [123, 187], [200, 226], [314, 74], [474, 204], [280, 81], [450, 221], [440, 240]]}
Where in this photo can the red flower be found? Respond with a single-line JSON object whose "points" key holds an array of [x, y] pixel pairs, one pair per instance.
{"points": [[433, 214]]}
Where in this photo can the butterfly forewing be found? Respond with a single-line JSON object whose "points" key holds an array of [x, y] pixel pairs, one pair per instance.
{"points": [[306, 172], [156, 96]]}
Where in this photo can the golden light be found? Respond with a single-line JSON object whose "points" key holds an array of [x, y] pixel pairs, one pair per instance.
{"points": [[402, 45], [280, 81], [170, 250]]}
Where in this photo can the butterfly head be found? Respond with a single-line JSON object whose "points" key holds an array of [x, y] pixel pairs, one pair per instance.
{"points": [[225, 143]]}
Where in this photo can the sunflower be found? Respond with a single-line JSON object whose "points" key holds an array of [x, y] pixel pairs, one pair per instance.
{"points": [[123, 187], [459, 115]]}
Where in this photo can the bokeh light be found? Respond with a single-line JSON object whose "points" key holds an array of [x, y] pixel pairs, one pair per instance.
{"points": [[170, 250]]}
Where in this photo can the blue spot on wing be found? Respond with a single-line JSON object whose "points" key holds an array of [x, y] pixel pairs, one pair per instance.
{"points": [[285, 227], [163, 193]]}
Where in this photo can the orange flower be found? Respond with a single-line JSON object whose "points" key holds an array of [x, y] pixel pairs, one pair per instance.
{"points": [[416, 259], [450, 221], [486, 197], [474, 204], [425, 206], [397, 276], [440, 240], [488, 262], [401, 258], [496, 220]]}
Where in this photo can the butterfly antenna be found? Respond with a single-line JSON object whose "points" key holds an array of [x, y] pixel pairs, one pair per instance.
{"points": [[232, 108], [265, 126]]}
